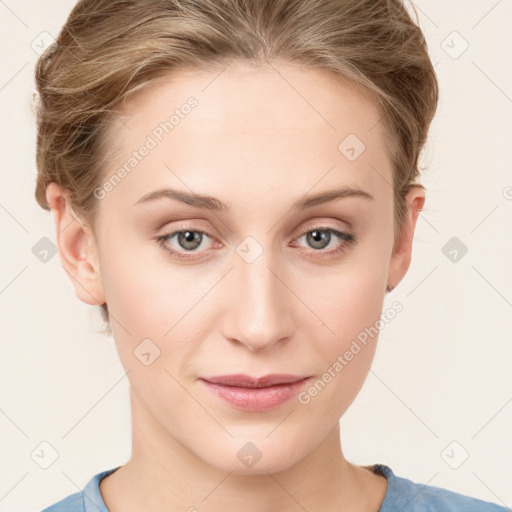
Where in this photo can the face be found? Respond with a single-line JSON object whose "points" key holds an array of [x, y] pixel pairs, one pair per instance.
{"points": [[258, 278]]}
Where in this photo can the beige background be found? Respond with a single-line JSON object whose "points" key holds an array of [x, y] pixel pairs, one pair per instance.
{"points": [[442, 369]]}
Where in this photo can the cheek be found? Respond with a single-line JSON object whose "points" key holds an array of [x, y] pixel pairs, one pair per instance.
{"points": [[144, 293], [348, 297], [150, 299], [349, 301], [357, 302], [352, 316], [345, 354]]}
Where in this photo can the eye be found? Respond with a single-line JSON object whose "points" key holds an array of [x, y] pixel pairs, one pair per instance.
{"points": [[321, 237], [188, 240]]}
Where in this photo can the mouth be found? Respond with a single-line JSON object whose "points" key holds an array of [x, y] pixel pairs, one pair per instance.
{"points": [[255, 394], [246, 381]]}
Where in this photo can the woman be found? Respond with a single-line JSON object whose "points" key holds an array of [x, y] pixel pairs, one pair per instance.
{"points": [[236, 181]]}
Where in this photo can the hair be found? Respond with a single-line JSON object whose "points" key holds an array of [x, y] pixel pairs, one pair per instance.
{"points": [[109, 49]]}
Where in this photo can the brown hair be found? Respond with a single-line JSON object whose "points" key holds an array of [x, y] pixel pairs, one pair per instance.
{"points": [[108, 49]]}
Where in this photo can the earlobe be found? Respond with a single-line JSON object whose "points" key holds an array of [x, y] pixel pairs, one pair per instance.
{"points": [[401, 257], [77, 250]]}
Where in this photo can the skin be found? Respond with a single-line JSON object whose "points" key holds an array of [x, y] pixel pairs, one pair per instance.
{"points": [[258, 143]]}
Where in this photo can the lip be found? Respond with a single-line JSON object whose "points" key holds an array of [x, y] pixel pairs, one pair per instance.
{"points": [[255, 394]]}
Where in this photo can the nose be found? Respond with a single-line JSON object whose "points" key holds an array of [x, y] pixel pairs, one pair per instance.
{"points": [[257, 311]]}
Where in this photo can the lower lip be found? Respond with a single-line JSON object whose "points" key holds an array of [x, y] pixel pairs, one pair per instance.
{"points": [[256, 399]]}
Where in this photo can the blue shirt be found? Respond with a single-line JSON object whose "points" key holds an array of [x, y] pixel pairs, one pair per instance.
{"points": [[402, 495]]}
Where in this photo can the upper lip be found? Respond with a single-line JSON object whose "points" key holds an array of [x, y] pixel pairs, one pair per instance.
{"points": [[246, 381]]}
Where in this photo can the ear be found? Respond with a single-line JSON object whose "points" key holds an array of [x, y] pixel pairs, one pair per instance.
{"points": [[401, 256], [77, 247]]}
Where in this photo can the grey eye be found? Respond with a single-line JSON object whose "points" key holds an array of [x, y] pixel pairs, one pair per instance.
{"points": [[318, 238], [189, 240]]}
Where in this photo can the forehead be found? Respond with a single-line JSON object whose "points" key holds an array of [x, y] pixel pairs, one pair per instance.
{"points": [[277, 96], [255, 126]]}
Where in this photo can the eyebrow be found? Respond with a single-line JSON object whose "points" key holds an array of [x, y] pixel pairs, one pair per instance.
{"points": [[212, 203]]}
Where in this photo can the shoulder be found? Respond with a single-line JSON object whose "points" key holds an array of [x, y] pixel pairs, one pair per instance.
{"points": [[72, 503], [408, 496], [77, 502]]}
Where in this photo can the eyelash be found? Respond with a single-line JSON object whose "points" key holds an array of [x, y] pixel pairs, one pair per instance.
{"points": [[346, 236]]}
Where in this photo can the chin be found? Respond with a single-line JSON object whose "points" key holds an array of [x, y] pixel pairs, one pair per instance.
{"points": [[259, 457]]}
